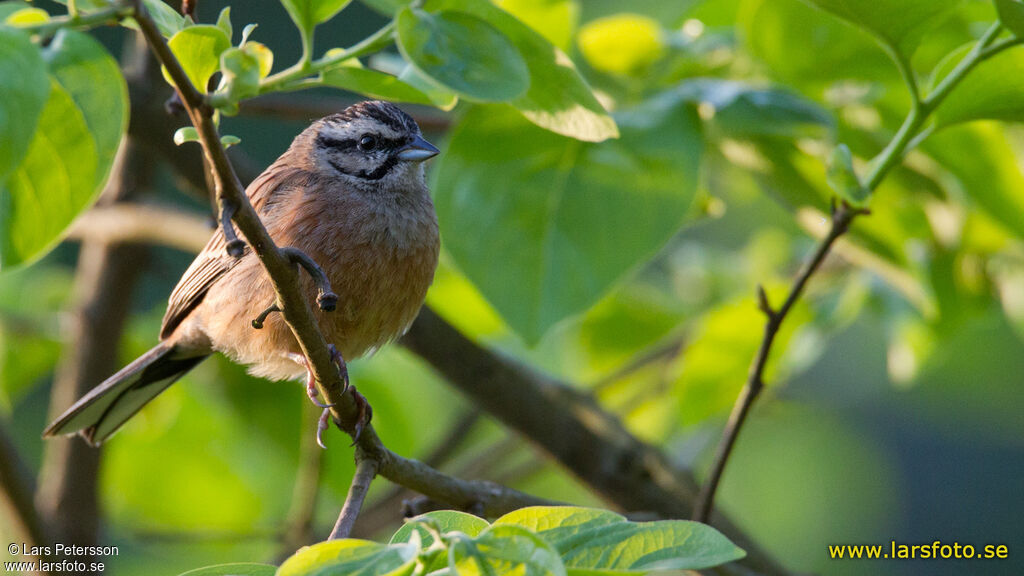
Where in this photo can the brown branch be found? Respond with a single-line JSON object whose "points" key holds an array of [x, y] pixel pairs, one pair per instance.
{"points": [[569, 426], [133, 223], [842, 216], [366, 469]]}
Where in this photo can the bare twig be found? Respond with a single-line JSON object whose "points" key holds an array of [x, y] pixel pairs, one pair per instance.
{"points": [[366, 469], [133, 223], [842, 216]]}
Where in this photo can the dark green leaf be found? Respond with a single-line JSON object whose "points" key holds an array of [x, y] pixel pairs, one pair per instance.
{"points": [[568, 218], [558, 98], [93, 79], [235, 569], [374, 84], [1011, 15], [501, 550], [198, 49], [843, 179], [585, 537], [899, 23], [25, 86], [308, 13], [740, 110], [55, 180], [167, 19], [351, 558], [463, 53], [993, 90]]}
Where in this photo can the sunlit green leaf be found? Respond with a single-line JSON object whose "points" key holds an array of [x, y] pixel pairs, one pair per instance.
{"points": [[897, 22], [993, 90], [236, 569], [308, 13], [93, 79], [351, 557], [558, 98], [569, 218], [444, 521], [25, 86], [501, 550], [224, 22], [27, 16], [240, 69], [55, 180], [555, 20], [595, 542], [463, 53], [625, 44], [198, 49], [167, 19], [8, 7]]}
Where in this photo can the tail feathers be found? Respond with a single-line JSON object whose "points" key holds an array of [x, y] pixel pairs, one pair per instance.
{"points": [[100, 413]]}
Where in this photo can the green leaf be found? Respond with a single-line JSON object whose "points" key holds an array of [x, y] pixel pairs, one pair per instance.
{"points": [[440, 96], [224, 22], [555, 20], [502, 550], [741, 110], [444, 520], [228, 140], [186, 134], [235, 569], [596, 542], [1011, 15], [240, 70], [308, 13], [8, 7], [27, 16], [625, 44], [558, 98], [387, 7], [55, 181], [93, 79], [198, 49], [569, 218], [463, 53], [25, 86], [352, 558], [899, 23], [374, 84], [843, 179], [993, 90]]}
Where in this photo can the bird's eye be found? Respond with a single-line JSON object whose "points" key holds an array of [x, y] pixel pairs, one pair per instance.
{"points": [[367, 143]]}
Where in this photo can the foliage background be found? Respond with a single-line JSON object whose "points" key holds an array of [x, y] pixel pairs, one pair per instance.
{"points": [[894, 413]]}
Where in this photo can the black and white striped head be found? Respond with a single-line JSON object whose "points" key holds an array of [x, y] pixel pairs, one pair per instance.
{"points": [[374, 146]]}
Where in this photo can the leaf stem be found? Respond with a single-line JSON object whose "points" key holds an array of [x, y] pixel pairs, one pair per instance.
{"points": [[298, 75], [108, 15]]}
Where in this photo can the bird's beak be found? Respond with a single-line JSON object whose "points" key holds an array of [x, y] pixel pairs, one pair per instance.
{"points": [[417, 151]]}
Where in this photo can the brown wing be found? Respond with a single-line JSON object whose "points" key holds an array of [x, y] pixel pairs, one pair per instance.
{"points": [[213, 262]]}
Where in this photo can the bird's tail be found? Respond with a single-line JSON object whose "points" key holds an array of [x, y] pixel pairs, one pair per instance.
{"points": [[99, 414]]}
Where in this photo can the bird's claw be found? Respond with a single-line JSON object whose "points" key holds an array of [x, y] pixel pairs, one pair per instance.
{"points": [[322, 425], [313, 392], [339, 361], [365, 414]]}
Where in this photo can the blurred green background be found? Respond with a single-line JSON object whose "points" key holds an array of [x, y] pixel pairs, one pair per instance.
{"points": [[894, 408]]}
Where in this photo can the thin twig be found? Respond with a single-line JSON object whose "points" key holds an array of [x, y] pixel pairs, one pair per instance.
{"points": [[842, 216], [366, 469]]}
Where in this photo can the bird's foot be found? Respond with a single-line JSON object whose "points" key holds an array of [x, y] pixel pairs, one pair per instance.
{"points": [[364, 412]]}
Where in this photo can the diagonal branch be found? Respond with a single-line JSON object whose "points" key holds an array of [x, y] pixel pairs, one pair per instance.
{"points": [[366, 469], [842, 216]]}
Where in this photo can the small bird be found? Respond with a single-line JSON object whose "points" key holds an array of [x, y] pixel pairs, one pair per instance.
{"points": [[349, 192]]}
